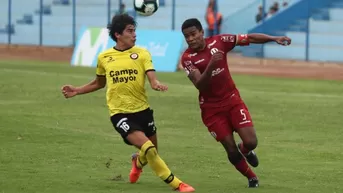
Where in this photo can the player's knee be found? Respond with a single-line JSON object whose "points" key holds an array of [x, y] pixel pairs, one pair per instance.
{"points": [[250, 144]]}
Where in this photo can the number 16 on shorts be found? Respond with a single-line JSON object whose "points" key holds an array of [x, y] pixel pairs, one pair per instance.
{"points": [[122, 124]]}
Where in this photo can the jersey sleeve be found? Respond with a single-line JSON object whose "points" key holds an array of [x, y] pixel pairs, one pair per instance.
{"points": [[147, 61], [242, 40], [100, 70], [187, 64], [230, 41]]}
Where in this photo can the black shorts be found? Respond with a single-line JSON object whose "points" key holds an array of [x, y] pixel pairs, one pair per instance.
{"points": [[125, 123]]}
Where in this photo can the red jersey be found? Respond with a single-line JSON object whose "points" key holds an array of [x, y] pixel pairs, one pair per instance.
{"points": [[222, 90]]}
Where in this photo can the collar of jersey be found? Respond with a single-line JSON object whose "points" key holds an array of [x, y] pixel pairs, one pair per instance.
{"points": [[122, 50]]}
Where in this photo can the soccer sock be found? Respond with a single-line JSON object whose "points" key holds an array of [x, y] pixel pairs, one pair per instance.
{"points": [[244, 169], [141, 160], [158, 165], [244, 150]]}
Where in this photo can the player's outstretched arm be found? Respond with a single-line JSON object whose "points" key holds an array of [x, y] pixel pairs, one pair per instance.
{"points": [[70, 91], [154, 83], [259, 38]]}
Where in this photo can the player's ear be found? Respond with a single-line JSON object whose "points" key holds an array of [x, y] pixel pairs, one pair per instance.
{"points": [[202, 32], [117, 35]]}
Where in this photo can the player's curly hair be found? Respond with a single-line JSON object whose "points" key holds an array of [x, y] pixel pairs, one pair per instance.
{"points": [[119, 23], [192, 22]]}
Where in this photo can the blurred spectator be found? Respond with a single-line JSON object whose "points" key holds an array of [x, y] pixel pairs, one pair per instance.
{"points": [[275, 6], [260, 15], [213, 19], [121, 10], [272, 11]]}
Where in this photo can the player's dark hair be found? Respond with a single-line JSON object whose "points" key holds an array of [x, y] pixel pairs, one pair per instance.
{"points": [[192, 22], [119, 23]]}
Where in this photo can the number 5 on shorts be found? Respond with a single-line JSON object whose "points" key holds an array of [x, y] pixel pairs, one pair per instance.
{"points": [[243, 114]]}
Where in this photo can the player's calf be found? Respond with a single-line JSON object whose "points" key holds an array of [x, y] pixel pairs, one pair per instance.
{"points": [[236, 158], [248, 144], [241, 165], [250, 155]]}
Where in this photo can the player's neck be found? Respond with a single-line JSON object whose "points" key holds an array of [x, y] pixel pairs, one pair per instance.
{"points": [[121, 47], [203, 46]]}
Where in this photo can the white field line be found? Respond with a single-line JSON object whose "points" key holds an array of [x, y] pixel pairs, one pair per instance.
{"points": [[289, 94]]}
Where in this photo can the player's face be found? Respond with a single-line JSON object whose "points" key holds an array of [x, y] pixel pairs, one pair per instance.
{"points": [[194, 37], [128, 37]]}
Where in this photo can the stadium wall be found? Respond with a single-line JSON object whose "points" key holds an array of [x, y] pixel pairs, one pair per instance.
{"points": [[34, 52]]}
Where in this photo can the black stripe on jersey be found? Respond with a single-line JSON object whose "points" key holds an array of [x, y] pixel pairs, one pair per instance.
{"points": [[150, 70], [100, 75], [122, 50]]}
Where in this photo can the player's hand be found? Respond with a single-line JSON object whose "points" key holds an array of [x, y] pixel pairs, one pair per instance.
{"points": [[283, 40], [216, 57], [159, 87], [69, 91]]}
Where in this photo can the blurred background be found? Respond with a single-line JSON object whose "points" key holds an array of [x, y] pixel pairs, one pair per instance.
{"points": [[316, 26]]}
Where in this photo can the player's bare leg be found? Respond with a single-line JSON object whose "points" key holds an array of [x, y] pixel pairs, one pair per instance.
{"points": [[153, 139], [149, 153], [236, 159], [248, 144]]}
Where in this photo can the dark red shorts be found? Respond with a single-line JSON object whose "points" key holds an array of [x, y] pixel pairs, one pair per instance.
{"points": [[223, 121]]}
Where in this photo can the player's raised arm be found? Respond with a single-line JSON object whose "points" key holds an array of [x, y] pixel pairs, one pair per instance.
{"points": [[150, 72], [259, 38], [201, 80], [230, 40], [99, 82]]}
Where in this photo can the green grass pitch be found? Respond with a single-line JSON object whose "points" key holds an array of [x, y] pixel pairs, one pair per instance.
{"points": [[51, 145]]}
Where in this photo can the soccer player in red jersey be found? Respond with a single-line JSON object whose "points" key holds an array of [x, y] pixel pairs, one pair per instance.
{"points": [[222, 109]]}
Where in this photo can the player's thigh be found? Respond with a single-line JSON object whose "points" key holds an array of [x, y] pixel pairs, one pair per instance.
{"points": [[229, 145], [137, 138], [131, 132], [243, 124], [217, 124]]}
